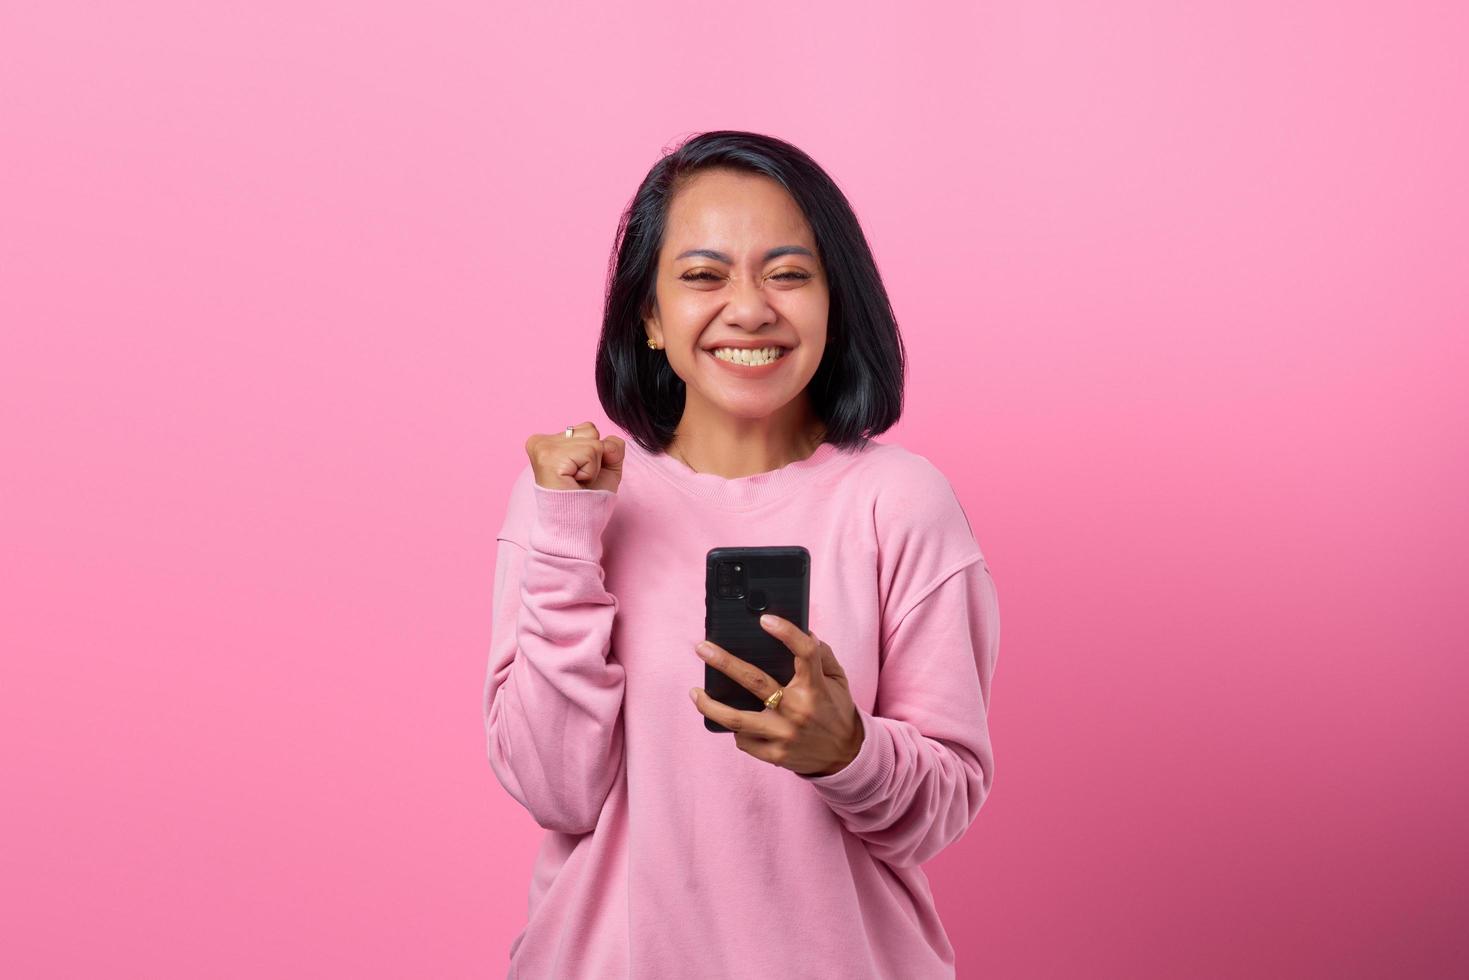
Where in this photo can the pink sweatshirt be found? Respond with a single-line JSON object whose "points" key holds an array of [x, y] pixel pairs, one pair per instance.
{"points": [[669, 852]]}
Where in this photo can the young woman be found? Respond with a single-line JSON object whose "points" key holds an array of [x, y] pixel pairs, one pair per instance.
{"points": [[750, 354]]}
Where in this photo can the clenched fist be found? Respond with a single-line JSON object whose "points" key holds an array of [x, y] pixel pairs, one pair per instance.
{"points": [[581, 461]]}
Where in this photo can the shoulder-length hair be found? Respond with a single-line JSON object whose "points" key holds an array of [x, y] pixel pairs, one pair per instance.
{"points": [[857, 390]]}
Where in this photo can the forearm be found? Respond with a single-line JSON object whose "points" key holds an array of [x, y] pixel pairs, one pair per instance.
{"points": [[925, 764], [553, 700]]}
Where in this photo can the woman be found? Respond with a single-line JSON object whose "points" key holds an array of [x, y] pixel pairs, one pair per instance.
{"points": [[750, 353]]}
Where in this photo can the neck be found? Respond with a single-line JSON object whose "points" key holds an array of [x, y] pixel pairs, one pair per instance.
{"points": [[733, 448]]}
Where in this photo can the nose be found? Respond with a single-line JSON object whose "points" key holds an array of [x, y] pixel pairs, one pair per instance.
{"points": [[748, 309]]}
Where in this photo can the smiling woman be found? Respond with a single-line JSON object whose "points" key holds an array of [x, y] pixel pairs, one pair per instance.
{"points": [[728, 317], [750, 354], [741, 241]]}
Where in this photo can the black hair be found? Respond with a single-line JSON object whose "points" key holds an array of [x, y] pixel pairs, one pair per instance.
{"points": [[857, 390]]}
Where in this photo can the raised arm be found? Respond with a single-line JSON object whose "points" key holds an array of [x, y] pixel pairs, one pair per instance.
{"points": [[552, 701]]}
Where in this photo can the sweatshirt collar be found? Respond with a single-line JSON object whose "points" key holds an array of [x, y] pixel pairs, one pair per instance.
{"points": [[741, 492]]}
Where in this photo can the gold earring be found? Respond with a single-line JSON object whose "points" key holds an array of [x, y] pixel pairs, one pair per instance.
{"points": [[652, 343]]}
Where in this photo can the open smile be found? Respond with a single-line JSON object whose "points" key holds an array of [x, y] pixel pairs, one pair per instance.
{"points": [[749, 364]]}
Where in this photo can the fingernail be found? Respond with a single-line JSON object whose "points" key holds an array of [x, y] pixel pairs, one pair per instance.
{"points": [[767, 620], [704, 650], [694, 694]]}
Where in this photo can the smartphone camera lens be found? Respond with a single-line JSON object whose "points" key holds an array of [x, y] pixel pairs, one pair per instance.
{"points": [[731, 580]]}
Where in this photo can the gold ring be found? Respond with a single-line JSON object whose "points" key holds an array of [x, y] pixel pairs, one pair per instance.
{"points": [[774, 699]]}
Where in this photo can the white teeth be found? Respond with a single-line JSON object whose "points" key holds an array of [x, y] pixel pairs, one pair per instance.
{"points": [[739, 355]]}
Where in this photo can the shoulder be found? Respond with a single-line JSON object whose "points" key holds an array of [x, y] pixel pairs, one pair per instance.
{"points": [[912, 495], [923, 531]]}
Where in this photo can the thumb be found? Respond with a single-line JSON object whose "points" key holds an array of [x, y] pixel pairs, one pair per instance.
{"points": [[830, 666], [609, 474], [807, 656]]}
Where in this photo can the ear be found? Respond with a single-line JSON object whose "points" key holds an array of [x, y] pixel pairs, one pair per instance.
{"points": [[651, 327]]}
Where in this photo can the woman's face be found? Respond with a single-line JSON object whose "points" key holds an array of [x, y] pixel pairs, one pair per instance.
{"points": [[719, 285]]}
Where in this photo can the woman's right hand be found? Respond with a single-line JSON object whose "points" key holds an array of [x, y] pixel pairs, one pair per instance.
{"points": [[581, 461]]}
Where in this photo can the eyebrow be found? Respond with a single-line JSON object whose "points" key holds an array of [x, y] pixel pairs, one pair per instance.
{"points": [[717, 256]]}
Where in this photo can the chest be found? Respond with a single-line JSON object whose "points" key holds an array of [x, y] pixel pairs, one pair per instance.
{"points": [[656, 570]]}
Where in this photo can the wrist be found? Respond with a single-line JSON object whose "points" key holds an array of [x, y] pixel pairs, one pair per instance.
{"points": [[854, 747]]}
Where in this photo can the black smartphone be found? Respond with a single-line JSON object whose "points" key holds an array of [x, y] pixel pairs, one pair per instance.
{"points": [[741, 585]]}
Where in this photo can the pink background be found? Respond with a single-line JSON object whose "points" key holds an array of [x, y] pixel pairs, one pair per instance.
{"points": [[286, 286]]}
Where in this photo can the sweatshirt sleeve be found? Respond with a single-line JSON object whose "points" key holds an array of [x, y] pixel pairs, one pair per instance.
{"points": [[925, 765], [552, 702]]}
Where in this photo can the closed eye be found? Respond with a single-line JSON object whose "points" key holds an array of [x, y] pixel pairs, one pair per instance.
{"points": [[707, 276]]}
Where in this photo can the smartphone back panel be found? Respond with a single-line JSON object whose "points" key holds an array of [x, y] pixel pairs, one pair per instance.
{"points": [[741, 584]]}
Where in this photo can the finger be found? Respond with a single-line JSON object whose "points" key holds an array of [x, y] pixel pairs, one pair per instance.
{"points": [[742, 672], [772, 750], [593, 465], [614, 450], [801, 643], [582, 430], [754, 722], [586, 460], [570, 455], [830, 666], [583, 465]]}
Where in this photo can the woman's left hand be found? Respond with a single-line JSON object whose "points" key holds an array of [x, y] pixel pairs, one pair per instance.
{"points": [[814, 729]]}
